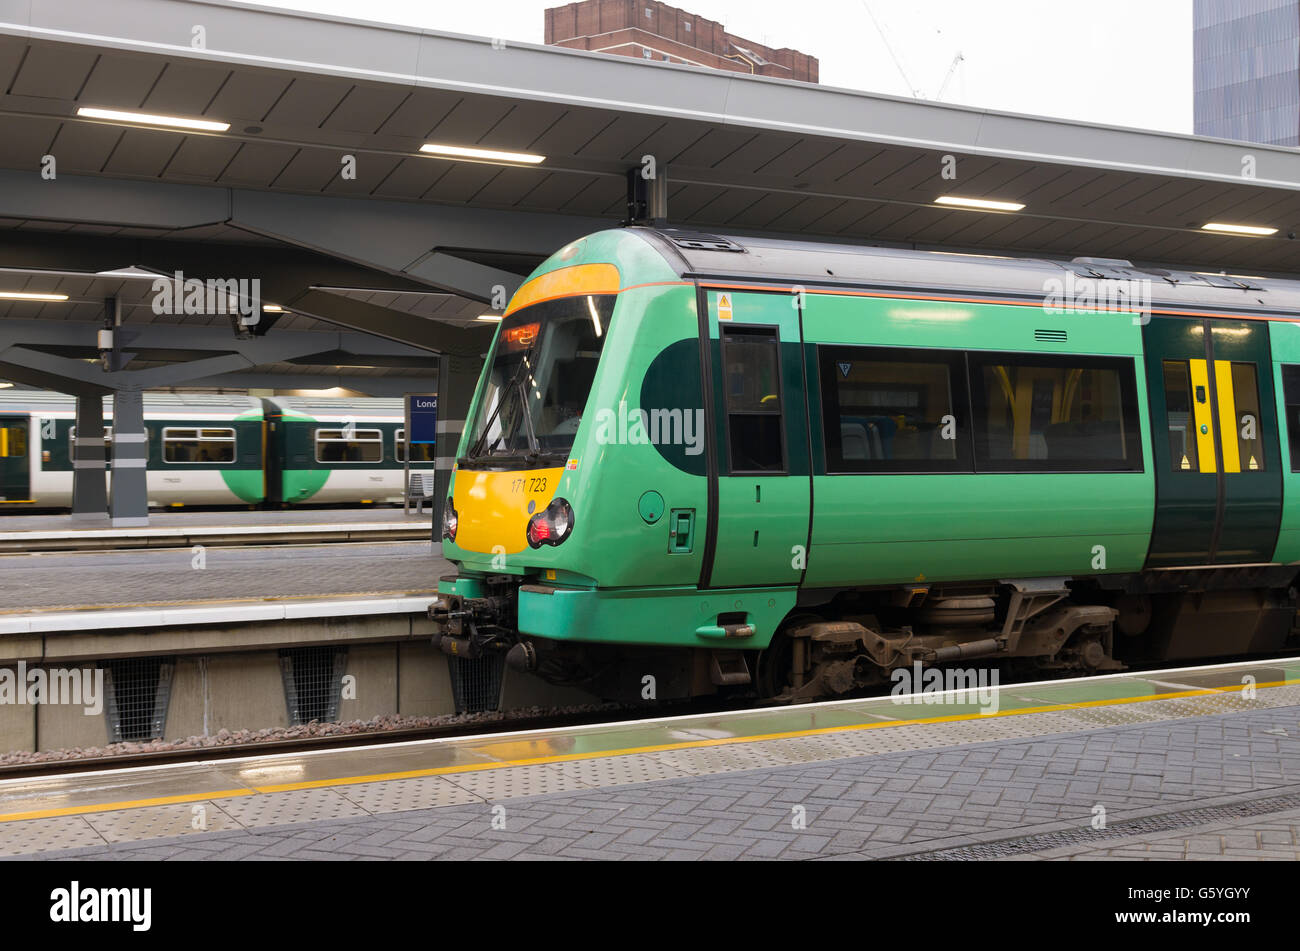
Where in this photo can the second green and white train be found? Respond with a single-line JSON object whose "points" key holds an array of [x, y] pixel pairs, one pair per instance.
{"points": [[219, 450]]}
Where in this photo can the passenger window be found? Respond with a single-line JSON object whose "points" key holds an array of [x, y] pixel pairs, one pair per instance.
{"points": [[13, 441], [420, 452], [1243, 415], [752, 379], [198, 446], [1179, 409], [890, 410], [341, 445], [1058, 414], [108, 442]]}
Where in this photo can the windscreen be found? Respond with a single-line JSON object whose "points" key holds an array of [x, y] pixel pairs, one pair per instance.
{"points": [[541, 370]]}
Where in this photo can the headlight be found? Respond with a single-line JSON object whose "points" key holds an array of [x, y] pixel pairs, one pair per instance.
{"points": [[552, 526], [449, 521]]}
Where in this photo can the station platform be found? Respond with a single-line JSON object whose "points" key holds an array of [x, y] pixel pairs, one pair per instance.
{"points": [[1199, 762], [173, 529], [102, 591]]}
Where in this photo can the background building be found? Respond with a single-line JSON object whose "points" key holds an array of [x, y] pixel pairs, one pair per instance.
{"points": [[1246, 56], [648, 29]]}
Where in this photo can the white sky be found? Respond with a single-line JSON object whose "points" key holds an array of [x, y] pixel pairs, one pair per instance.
{"points": [[1119, 62]]}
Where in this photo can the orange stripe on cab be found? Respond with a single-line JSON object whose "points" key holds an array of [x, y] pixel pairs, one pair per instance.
{"points": [[567, 282]]}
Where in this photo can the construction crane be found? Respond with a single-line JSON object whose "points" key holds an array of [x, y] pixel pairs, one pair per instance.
{"points": [[889, 48], [952, 70]]}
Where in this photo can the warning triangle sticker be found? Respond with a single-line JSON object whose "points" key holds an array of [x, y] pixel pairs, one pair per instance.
{"points": [[844, 369]]}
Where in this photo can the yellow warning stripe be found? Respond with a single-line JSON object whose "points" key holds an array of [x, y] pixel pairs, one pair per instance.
{"points": [[343, 596], [129, 804], [1202, 419], [1227, 415], [630, 751]]}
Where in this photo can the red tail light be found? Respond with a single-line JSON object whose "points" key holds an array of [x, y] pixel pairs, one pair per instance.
{"points": [[552, 526], [450, 521]]}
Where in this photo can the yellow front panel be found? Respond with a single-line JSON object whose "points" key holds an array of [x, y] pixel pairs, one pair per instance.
{"points": [[1201, 410], [493, 507], [1227, 415]]}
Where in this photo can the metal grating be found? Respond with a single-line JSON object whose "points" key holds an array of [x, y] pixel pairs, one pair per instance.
{"points": [[137, 693], [313, 682], [1051, 336], [476, 684]]}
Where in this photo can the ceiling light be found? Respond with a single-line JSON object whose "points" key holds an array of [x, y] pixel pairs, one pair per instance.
{"points": [[272, 309], [487, 155], [488, 317], [149, 118], [23, 295], [1238, 229], [983, 204], [129, 272]]}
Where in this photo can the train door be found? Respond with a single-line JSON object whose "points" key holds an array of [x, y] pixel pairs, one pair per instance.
{"points": [[1214, 426], [15, 462], [759, 524]]}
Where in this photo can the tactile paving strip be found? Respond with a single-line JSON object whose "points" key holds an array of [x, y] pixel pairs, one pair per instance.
{"points": [[515, 782], [280, 808], [401, 795], [47, 835], [726, 759], [622, 770], [153, 822]]}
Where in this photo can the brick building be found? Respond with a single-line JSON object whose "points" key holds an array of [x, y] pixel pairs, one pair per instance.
{"points": [[648, 29]]}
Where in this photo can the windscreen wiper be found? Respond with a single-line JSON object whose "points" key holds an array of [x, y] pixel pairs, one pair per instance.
{"points": [[534, 447], [487, 426]]}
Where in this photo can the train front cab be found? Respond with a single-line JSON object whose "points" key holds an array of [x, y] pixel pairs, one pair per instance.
{"points": [[586, 518]]}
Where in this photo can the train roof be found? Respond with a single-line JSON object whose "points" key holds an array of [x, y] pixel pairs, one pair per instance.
{"points": [[824, 266], [179, 403], [319, 406]]}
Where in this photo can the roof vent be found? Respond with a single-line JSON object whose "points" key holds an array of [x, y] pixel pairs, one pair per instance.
{"points": [[701, 242], [1112, 262], [1051, 336], [1232, 281]]}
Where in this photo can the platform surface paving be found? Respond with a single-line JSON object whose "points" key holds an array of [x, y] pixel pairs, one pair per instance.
{"points": [[97, 580], [1183, 764]]}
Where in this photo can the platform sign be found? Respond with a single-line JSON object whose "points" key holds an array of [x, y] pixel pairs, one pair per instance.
{"points": [[421, 428], [421, 417]]}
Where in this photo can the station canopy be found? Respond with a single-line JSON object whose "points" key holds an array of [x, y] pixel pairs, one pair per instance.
{"points": [[423, 236]]}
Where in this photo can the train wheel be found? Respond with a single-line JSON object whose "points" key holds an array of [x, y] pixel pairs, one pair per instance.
{"points": [[775, 664]]}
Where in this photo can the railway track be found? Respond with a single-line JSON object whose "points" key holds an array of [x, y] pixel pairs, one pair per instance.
{"points": [[338, 741]]}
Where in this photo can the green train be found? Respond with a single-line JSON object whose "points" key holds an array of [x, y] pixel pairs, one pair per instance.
{"points": [[786, 469], [218, 449]]}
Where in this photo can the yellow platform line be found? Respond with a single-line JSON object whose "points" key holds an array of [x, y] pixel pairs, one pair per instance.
{"points": [[201, 602], [630, 751], [129, 804]]}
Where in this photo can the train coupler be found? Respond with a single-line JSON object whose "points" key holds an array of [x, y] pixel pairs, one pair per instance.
{"points": [[469, 627]]}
